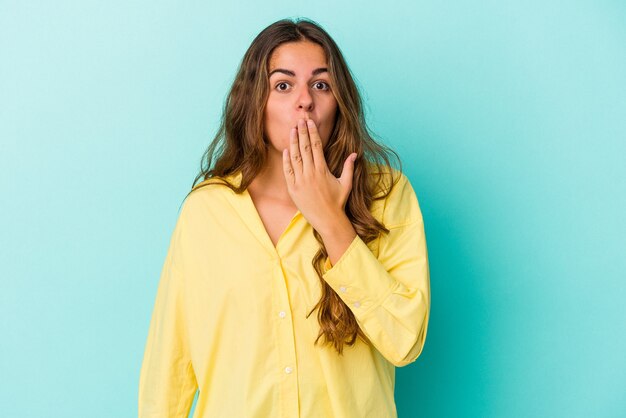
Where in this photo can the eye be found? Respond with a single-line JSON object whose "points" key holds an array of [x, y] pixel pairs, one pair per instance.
{"points": [[281, 84], [327, 86]]}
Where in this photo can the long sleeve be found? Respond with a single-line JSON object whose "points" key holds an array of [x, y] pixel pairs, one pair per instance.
{"points": [[167, 382], [389, 294]]}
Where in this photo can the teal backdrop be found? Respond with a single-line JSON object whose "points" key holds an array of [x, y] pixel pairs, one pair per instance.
{"points": [[509, 116]]}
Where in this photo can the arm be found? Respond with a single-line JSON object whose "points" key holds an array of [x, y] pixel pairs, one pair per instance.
{"points": [[389, 295], [167, 382]]}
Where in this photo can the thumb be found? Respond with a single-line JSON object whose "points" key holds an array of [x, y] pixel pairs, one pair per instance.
{"points": [[348, 171]]}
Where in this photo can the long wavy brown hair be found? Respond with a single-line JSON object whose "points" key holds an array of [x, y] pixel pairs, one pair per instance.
{"points": [[239, 145]]}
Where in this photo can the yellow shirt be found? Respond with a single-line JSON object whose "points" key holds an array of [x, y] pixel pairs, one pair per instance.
{"points": [[230, 320]]}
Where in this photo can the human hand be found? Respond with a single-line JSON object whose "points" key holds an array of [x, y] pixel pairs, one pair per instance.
{"points": [[318, 194]]}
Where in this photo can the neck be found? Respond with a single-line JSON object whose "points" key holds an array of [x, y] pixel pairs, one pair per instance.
{"points": [[271, 179]]}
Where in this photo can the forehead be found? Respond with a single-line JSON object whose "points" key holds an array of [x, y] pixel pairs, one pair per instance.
{"points": [[293, 55]]}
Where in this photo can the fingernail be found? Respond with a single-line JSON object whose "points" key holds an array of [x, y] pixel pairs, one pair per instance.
{"points": [[310, 122], [353, 157]]}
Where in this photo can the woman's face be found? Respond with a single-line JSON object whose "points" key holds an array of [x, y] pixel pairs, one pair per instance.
{"points": [[299, 88]]}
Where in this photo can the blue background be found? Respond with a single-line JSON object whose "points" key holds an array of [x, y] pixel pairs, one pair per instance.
{"points": [[510, 118]]}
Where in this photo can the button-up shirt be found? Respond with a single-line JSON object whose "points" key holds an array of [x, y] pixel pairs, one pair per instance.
{"points": [[230, 314]]}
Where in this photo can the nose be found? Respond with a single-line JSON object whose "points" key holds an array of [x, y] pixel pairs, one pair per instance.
{"points": [[305, 100]]}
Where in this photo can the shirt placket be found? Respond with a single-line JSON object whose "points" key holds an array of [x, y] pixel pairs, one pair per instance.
{"points": [[288, 383]]}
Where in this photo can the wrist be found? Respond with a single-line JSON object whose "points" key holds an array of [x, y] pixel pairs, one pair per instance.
{"points": [[336, 224]]}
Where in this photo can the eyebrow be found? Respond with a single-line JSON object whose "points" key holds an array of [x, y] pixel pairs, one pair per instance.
{"points": [[292, 74]]}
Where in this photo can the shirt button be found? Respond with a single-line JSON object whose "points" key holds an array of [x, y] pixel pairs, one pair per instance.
{"points": [[342, 288], [288, 369], [282, 314], [357, 304]]}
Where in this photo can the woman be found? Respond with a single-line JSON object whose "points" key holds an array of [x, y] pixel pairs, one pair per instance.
{"points": [[286, 222]]}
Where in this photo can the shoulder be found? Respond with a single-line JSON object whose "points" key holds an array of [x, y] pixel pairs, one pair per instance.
{"points": [[218, 182], [209, 195], [400, 206]]}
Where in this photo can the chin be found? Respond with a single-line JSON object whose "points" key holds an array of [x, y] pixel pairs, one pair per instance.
{"points": [[274, 147]]}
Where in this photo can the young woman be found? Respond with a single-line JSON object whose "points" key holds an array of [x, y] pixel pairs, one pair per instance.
{"points": [[300, 211]]}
